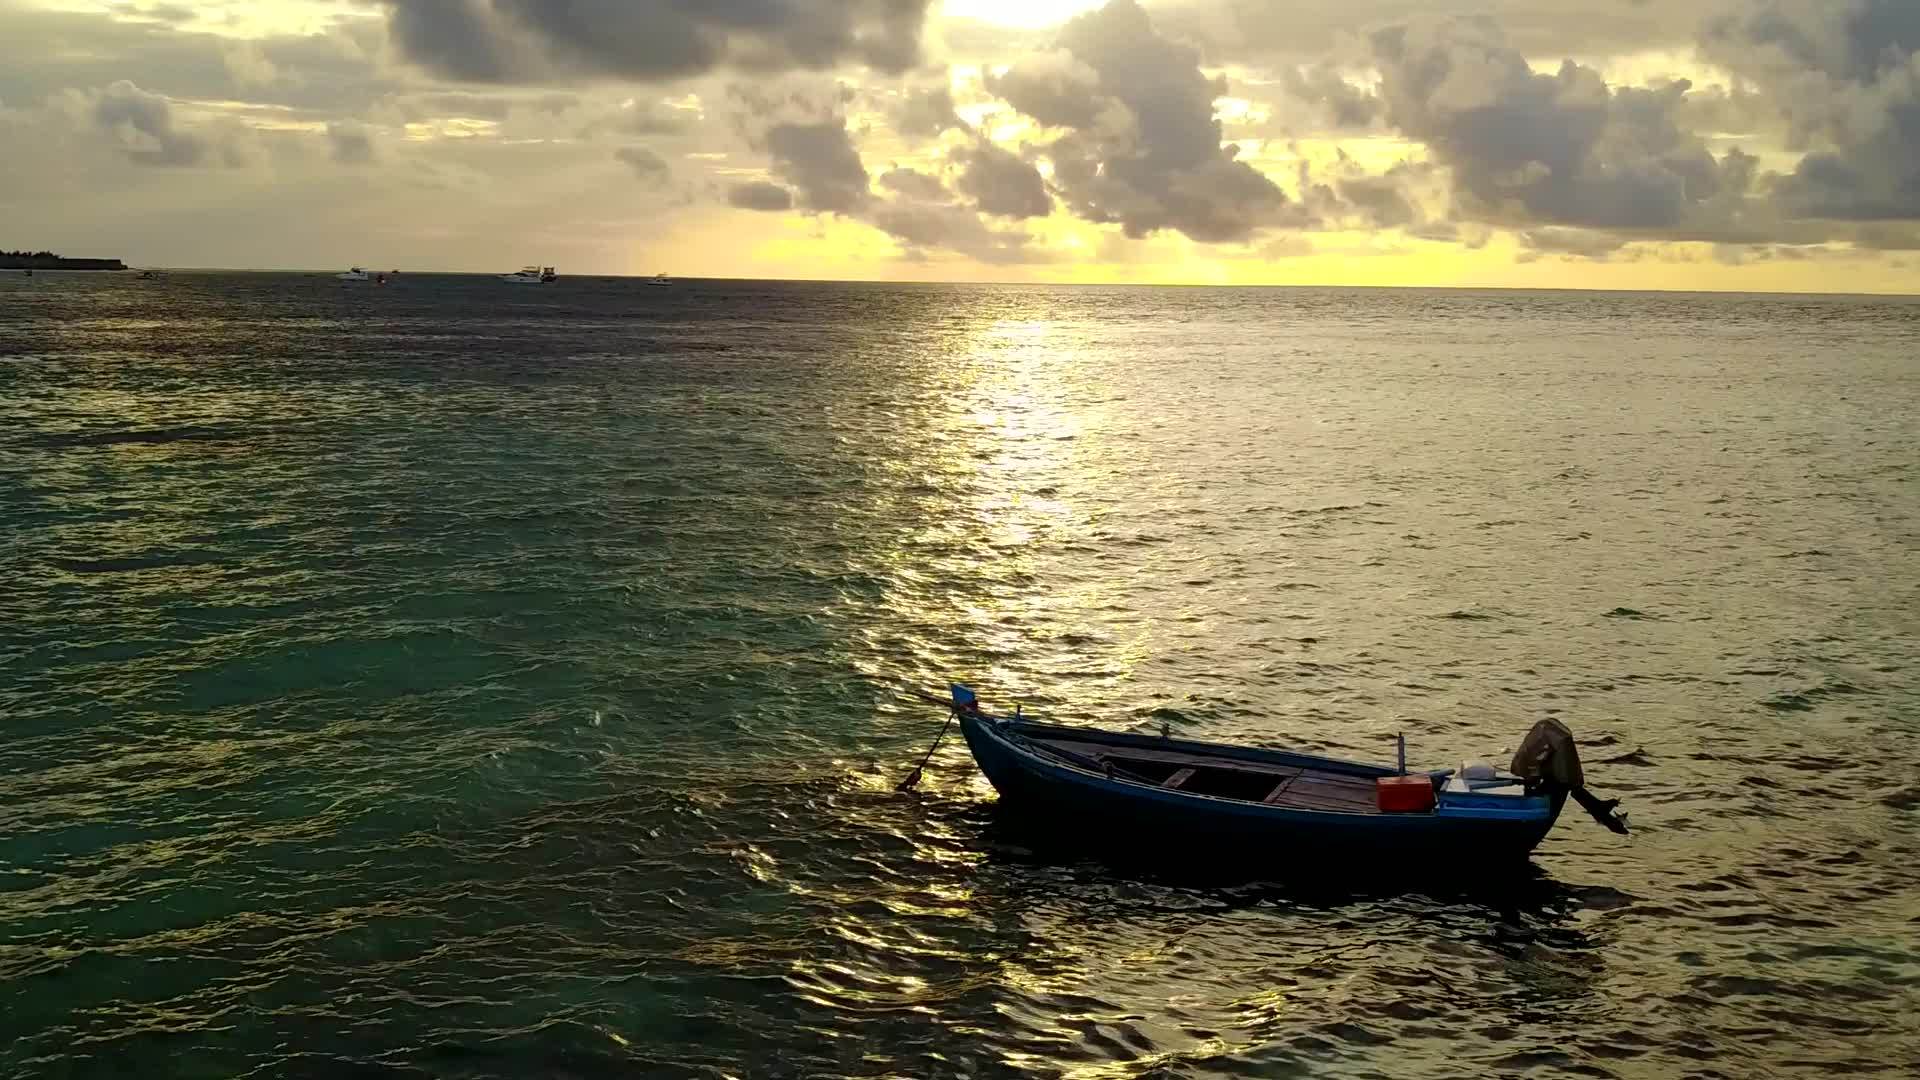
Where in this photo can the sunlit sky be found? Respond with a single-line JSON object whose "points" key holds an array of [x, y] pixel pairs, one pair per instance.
{"points": [[1690, 144], [1022, 13]]}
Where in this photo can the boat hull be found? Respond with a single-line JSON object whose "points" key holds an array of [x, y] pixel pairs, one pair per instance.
{"points": [[1067, 797]]}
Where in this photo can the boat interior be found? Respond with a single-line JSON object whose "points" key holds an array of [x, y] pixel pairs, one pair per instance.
{"points": [[1299, 786], [1302, 787]]}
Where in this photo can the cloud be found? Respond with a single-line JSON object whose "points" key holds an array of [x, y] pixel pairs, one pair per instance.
{"points": [[504, 41], [1732, 255], [419, 107], [972, 38], [166, 13], [915, 184], [1340, 103], [1844, 75], [1532, 148], [1849, 41], [820, 161], [1253, 31], [323, 76], [142, 126], [1110, 117], [535, 115], [654, 118], [999, 182], [921, 225], [1143, 147], [1286, 247], [1055, 88], [350, 143], [1584, 243], [1472, 235], [817, 158], [1845, 187], [174, 13], [760, 195], [1887, 238], [926, 112], [650, 167], [1382, 200]]}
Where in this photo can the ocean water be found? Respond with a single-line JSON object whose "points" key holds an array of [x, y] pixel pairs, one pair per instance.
{"points": [[454, 680]]}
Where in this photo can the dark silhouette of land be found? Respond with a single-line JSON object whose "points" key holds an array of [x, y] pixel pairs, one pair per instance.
{"points": [[47, 260]]}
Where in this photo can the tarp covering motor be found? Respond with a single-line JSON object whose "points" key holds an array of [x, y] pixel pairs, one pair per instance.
{"points": [[1549, 758]]}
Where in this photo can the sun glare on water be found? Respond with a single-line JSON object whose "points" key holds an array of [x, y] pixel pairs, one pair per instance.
{"points": [[1024, 13]]}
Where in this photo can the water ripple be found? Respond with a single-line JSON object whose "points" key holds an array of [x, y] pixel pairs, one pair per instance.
{"points": [[430, 682]]}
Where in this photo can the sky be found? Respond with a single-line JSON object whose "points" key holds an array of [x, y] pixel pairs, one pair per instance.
{"points": [[1763, 145]]}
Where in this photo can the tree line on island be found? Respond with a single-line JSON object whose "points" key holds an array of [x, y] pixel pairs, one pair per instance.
{"points": [[47, 260]]}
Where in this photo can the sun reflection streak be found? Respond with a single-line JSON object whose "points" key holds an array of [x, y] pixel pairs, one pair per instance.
{"points": [[1018, 426], [1015, 443]]}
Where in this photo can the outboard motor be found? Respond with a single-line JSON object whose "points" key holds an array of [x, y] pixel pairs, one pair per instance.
{"points": [[1549, 760]]}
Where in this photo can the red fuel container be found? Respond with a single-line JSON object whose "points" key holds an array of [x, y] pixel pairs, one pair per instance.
{"points": [[1404, 794]]}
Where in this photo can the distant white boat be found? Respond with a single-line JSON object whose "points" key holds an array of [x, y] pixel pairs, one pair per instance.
{"points": [[661, 280], [532, 275], [355, 274]]}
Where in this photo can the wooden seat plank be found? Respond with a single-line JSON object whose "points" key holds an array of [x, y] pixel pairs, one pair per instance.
{"points": [[1286, 777], [1308, 800]]}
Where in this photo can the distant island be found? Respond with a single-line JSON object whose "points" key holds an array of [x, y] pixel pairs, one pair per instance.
{"points": [[47, 260]]}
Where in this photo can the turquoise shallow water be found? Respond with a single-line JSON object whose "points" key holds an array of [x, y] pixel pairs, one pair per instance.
{"points": [[451, 680]]}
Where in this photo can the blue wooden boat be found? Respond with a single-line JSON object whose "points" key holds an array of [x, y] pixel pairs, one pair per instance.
{"points": [[1163, 790]]}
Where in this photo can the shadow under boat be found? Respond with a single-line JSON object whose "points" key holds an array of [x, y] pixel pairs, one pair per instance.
{"points": [[1055, 862]]}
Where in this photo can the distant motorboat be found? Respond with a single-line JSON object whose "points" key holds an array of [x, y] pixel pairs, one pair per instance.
{"points": [[532, 275], [661, 281], [355, 274]]}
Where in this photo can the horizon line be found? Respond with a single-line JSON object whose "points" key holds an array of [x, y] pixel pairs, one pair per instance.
{"points": [[1023, 284]]}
